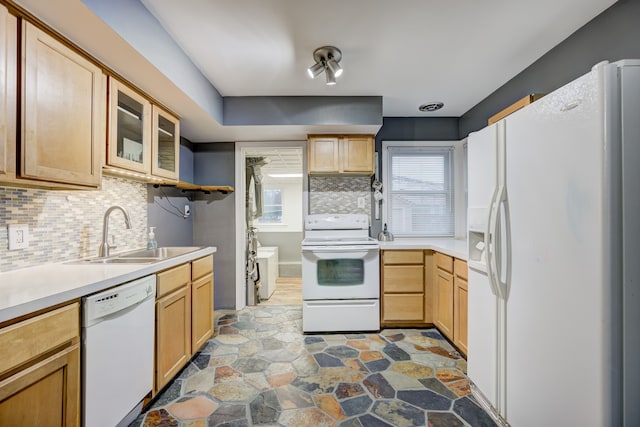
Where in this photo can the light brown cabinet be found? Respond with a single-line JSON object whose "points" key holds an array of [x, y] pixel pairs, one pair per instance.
{"points": [[129, 141], [8, 100], [40, 362], [184, 316], [403, 287], [451, 299], [165, 144], [202, 302], [143, 137], [340, 154], [460, 305], [63, 120], [173, 323]]}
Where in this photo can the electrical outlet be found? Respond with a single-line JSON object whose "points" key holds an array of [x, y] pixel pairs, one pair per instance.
{"points": [[361, 201], [18, 236], [187, 211]]}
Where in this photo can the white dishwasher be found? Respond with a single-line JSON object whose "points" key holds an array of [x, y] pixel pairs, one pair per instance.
{"points": [[117, 352]]}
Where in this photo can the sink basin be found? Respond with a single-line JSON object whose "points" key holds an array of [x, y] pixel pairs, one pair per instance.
{"points": [[160, 253], [118, 261], [141, 256]]}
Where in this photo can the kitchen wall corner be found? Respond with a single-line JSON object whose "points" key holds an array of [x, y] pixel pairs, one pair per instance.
{"points": [[67, 225]]}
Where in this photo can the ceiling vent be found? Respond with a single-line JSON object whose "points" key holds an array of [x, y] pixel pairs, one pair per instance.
{"points": [[430, 107]]}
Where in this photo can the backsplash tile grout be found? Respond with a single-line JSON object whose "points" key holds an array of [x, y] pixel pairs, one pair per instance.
{"points": [[67, 225]]}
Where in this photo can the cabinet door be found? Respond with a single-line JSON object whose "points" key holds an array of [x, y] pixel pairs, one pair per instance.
{"points": [[202, 312], [8, 84], [357, 154], [444, 305], [173, 334], [129, 143], [63, 120], [460, 314], [165, 144], [46, 394], [323, 155]]}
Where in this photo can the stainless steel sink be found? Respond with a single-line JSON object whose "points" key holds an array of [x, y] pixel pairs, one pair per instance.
{"points": [[141, 256], [160, 253]]}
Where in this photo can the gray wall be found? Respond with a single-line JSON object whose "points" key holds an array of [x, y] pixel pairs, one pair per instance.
{"points": [[289, 254], [172, 229], [612, 35], [214, 216]]}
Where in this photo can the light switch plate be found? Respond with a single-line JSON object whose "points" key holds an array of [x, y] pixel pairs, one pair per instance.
{"points": [[361, 202], [18, 236]]}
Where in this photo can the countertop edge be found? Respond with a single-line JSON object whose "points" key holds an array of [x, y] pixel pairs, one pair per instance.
{"points": [[453, 247], [118, 277]]}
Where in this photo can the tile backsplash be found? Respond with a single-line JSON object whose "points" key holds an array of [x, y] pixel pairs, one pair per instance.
{"points": [[67, 225], [339, 194]]}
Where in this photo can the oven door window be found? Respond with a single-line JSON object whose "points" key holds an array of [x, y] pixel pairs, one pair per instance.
{"points": [[340, 272]]}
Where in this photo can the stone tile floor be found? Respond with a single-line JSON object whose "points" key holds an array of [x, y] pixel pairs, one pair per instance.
{"points": [[261, 370]]}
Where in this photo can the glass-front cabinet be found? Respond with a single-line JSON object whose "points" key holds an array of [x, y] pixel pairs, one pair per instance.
{"points": [[129, 144], [143, 137], [166, 144]]}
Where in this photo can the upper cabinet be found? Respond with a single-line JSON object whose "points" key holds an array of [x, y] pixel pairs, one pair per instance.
{"points": [[8, 80], [166, 144], [341, 154], [63, 126], [142, 137], [129, 143]]}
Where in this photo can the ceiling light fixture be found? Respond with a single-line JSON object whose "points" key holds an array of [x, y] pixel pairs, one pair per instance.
{"points": [[328, 60]]}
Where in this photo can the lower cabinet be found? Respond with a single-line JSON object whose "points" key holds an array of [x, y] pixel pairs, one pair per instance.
{"points": [[422, 288], [173, 331], [451, 298], [40, 362], [184, 316], [201, 302], [403, 287], [444, 306], [460, 305]]}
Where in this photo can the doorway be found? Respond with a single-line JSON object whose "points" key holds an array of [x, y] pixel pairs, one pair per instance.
{"points": [[275, 208]]}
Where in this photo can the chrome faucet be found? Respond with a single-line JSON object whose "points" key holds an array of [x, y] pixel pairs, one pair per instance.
{"points": [[105, 246]]}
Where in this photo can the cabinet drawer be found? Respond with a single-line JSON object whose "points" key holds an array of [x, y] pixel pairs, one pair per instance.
{"points": [[30, 338], [201, 267], [402, 257], [403, 307], [172, 279], [461, 269], [403, 278], [444, 262]]}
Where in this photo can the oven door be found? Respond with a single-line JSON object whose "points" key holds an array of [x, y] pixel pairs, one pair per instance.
{"points": [[340, 272]]}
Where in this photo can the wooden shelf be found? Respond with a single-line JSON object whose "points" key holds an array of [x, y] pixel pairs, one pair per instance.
{"points": [[187, 186]]}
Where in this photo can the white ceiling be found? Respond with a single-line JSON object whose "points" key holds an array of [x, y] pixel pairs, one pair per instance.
{"points": [[409, 51]]}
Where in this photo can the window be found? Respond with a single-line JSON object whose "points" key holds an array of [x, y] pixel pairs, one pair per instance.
{"points": [[272, 212], [420, 191]]}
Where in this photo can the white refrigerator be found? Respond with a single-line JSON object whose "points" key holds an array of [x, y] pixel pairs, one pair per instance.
{"points": [[554, 256]]}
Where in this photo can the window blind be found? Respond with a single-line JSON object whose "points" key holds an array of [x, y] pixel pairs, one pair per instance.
{"points": [[420, 195]]}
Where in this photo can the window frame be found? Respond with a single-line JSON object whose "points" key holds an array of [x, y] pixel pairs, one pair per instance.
{"points": [[454, 185], [272, 188]]}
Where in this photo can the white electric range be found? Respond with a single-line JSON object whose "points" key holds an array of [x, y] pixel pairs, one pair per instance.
{"points": [[340, 274]]}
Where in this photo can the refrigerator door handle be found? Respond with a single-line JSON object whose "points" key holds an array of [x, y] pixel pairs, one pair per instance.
{"points": [[496, 246], [503, 249], [488, 244]]}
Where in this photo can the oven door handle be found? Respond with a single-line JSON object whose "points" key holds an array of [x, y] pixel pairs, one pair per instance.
{"points": [[339, 249]]}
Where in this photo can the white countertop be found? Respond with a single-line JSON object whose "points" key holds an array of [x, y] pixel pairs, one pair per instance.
{"points": [[30, 289], [454, 247]]}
